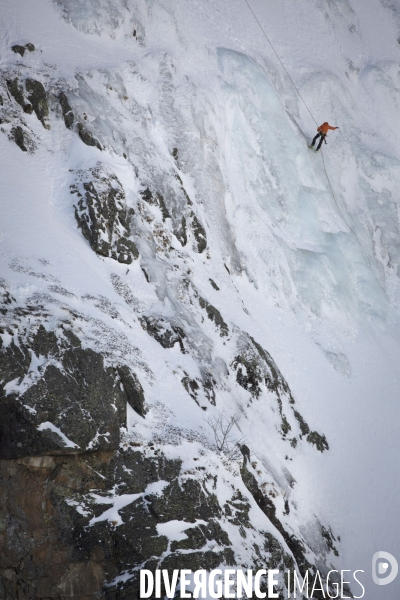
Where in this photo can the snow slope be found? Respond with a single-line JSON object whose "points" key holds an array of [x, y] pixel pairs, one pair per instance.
{"points": [[311, 277]]}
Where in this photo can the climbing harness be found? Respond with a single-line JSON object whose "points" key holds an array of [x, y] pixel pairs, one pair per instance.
{"points": [[312, 116]]}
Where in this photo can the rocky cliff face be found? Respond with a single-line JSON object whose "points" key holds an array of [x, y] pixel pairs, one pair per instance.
{"points": [[85, 500], [143, 425]]}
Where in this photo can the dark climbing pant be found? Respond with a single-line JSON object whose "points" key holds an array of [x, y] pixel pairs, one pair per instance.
{"points": [[323, 136]]}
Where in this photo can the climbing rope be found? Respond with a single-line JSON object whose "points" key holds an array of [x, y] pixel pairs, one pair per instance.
{"points": [[312, 116], [283, 66], [343, 217]]}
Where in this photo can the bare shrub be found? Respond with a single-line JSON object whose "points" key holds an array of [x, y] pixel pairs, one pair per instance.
{"points": [[225, 441]]}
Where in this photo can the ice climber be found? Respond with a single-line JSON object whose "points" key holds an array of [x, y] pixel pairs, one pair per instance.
{"points": [[322, 131]]}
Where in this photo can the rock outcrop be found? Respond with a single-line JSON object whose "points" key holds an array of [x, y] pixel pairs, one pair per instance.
{"points": [[54, 398], [103, 216]]}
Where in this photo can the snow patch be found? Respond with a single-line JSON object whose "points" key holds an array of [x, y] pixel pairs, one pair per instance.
{"points": [[47, 426]]}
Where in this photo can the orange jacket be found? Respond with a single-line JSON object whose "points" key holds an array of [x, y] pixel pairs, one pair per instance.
{"points": [[324, 128]]}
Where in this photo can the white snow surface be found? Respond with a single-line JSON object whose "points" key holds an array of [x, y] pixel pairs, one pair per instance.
{"points": [[119, 501], [47, 426], [175, 530], [321, 298]]}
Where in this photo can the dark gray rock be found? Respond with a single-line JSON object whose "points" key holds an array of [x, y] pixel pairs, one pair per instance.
{"points": [[185, 501], [285, 425], [181, 232], [184, 192], [14, 363], [142, 469], [198, 536], [37, 97], [157, 200], [66, 110], [16, 90], [214, 284], [255, 366], [18, 135], [6, 299], [126, 250], [318, 440], [304, 428], [87, 137], [199, 234], [18, 49], [191, 386], [268, 508], [215, 316], [313, 437], [208, 386], [164, 332], [103, 217], [74, 393], [133, 390], [245, 450]]}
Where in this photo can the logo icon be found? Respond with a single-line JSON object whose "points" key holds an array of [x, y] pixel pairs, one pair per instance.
{"points": [[384, 568]]}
